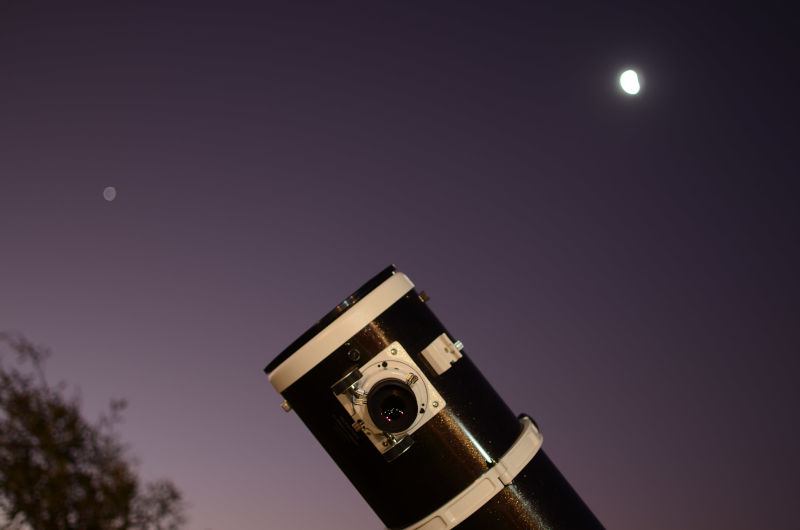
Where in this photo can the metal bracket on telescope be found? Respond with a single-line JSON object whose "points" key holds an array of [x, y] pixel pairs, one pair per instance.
{"points": [[441, 353], [487, 485]]}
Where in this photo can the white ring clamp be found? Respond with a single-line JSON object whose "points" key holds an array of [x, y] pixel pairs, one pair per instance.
{"points": [[487, 485], [340, 330]]}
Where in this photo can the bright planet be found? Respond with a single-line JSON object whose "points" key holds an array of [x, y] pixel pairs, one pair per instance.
{"points": [[110, 193], [629, 81]]}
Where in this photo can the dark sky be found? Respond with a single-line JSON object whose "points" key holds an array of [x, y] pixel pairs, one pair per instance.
{"points": [[624, 269]]}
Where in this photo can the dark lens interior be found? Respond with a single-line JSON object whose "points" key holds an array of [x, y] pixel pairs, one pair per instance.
{"points": [[392, 408], [392, 405]]}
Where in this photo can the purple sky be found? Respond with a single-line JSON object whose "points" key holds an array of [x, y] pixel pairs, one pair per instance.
{"points": [[623, 269]]}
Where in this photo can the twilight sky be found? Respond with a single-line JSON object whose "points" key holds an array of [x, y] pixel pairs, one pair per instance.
{"points": [[624, 269]]}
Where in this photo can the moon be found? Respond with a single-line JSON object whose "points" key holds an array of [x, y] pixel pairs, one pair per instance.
{"points": [[629, 81], [110, 193]]}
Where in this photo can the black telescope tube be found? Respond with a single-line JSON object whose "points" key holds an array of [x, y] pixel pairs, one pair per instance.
{"points": [[413, 424]]}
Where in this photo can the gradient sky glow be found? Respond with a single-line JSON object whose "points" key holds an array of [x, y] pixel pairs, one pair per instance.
{"points": [[624, 269]]}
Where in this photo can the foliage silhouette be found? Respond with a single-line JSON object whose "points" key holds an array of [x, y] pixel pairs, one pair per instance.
{"points": [[58, 471]]}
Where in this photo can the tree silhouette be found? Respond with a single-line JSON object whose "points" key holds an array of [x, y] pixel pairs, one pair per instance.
{"points": [[60, 472]]}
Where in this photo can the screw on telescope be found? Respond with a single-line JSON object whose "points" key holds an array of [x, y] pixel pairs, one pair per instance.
{"points": [[423, 297], [285, 406]]}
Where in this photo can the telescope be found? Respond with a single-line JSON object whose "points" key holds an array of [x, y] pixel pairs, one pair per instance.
{"points": [[394, 399]]}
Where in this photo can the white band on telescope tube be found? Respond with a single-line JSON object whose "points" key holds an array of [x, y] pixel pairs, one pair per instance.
{"points": [[487, 485], [337, 332]]}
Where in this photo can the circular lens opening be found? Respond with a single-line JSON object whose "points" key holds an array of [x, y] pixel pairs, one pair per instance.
{"points": [[392, 405]]}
